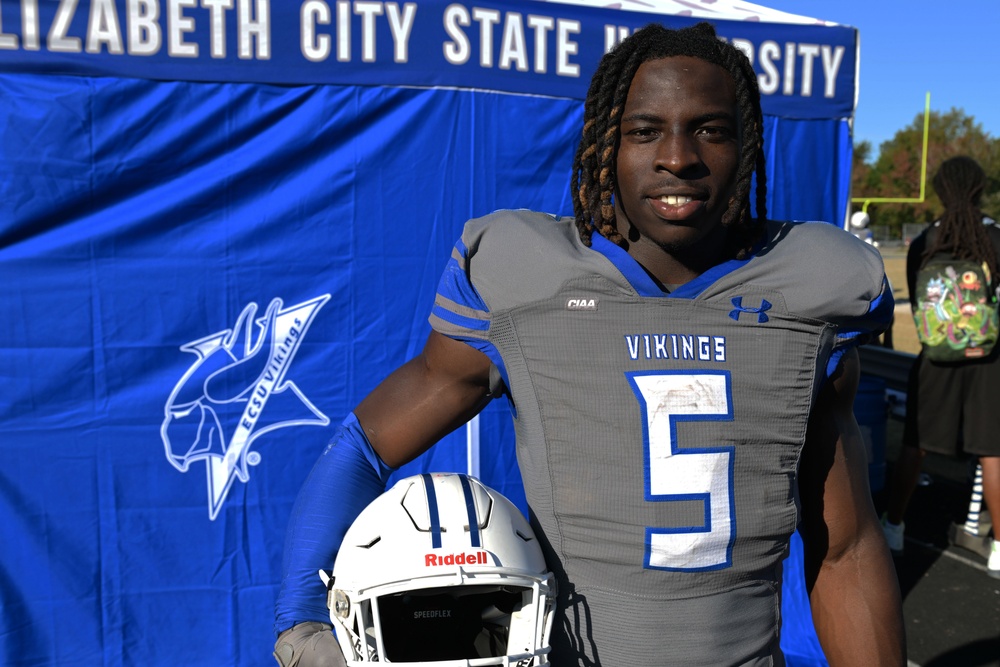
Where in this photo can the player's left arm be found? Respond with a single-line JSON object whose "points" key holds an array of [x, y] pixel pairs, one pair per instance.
{"points": [[850, 576]]}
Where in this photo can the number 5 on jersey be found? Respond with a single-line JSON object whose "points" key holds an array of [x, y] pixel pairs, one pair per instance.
{"points": [[696, 472]]}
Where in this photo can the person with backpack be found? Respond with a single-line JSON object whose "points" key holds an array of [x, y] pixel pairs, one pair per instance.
{"points": [[952, 276]]}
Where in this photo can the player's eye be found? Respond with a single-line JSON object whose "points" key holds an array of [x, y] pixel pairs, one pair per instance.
{"points": [[642, 132], [715, 130]]}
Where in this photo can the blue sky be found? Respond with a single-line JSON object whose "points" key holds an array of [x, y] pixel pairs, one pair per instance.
{"points": [[910, 47]]}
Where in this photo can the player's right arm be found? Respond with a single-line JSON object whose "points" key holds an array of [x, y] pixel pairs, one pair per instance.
{"points": [[425, 399], [420, 402]]}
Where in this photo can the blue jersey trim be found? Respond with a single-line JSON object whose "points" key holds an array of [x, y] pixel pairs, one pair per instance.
{"points": [[696, 286], [879, 316], [882, 307], [834, 360], [451, 317], [455, 285], [645, 286], [626, 264]]}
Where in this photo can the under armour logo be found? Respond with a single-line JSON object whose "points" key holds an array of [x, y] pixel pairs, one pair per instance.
{"points": [[759, 312]]}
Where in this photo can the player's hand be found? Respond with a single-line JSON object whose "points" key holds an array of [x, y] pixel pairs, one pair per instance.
{"points": [[309, 644]]}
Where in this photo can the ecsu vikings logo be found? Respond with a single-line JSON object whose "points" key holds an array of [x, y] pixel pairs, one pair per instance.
{"points": [[236, 391]]}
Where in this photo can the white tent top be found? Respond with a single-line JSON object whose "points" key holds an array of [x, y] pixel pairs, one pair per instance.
{"points": [[728, 10]]}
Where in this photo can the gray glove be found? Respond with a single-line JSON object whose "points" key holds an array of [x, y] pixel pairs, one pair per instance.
{"points": [[310, 644]]}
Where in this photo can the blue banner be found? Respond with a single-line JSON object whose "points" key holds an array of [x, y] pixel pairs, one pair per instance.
{"points": [[212, 247], [541, 48], [200, 281]]}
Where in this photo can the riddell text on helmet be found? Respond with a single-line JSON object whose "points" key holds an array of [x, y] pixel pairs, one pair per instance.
{"points": [[474, 558]]}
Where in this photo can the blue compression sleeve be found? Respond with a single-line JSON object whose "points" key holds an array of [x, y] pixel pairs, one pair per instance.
{"points": [[347, 477]]}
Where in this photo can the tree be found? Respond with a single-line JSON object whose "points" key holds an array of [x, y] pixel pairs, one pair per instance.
{"points": [[862, 173], [896, 172]]}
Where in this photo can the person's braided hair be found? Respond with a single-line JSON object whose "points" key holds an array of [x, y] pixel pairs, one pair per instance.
{"points": [[593, 183], [959, 183]]}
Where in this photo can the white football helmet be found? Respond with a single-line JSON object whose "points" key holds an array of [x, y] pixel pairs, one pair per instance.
{"points": [[441, 570]]}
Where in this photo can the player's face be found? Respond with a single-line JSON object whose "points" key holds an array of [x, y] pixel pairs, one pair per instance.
{"points": [[677, 160]]}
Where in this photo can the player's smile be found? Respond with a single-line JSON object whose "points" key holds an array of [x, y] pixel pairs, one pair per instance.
{"points": [[678, 207], [676, 164]]}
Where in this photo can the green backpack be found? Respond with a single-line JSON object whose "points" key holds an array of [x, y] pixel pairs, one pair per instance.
{"points": [[956, 310]]}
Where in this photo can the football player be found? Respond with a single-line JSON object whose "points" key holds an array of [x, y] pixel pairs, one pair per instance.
{"points": [[681, 374]]}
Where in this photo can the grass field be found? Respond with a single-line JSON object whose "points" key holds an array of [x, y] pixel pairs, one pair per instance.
{"points": [[904, 334]]}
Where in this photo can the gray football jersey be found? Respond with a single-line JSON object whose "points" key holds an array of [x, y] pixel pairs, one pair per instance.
{"points": [[658, 436]]}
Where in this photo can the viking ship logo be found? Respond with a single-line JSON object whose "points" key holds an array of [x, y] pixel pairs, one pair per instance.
{"points": [[238, 389]]}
